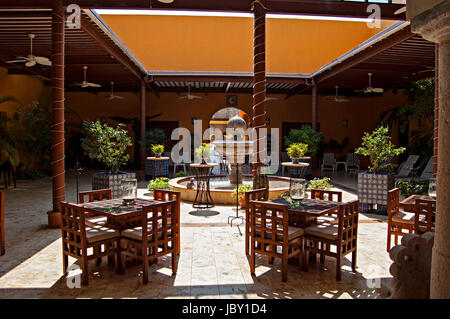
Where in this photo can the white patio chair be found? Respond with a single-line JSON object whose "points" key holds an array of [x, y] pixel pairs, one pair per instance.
{"points": [[328, 162], [175, 165], [406, 168], [427, 173], [352, 163]]}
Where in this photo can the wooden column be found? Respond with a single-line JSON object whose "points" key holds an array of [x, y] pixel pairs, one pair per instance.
{"points": [[143, 124], [314, 107], [436, 114], [57, 127], [259, 79]]}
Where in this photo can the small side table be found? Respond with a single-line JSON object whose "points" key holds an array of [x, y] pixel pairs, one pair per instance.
{"points": [[158, 164], [203, 199], [296, 170], [341, 163]]}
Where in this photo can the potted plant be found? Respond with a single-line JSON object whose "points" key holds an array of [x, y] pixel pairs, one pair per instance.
{"points": [[373, 185], [158, 149], [307, 135], [296, 151], [203, 152], [319, 183], [241, 196], [108, 145], [159, 183], [154, 137]]}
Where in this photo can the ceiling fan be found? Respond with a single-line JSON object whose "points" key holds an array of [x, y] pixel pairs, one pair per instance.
{"points": [[190, 96], [370, 88], [112, 96], [85, 83], [337, 98], [31, 60]]}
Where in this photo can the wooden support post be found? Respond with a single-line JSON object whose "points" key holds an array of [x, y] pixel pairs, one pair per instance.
{"points": [[436, 114], [143, 123], [57, 126], [259, 80], [314, 107]]}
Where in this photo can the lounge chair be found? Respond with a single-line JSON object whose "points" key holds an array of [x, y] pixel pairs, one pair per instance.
{"points": [[407, 167], [427, 173], [351, 163], [328, 162]]}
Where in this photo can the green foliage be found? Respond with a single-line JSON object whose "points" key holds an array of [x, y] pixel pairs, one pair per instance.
{"points": [[319, 183], [158, 149], [242, 189], [159, 183], [153, 137], [8, 151], [297, 150], [336, 147], [304, 135], [379, 148], [203, 152], [182, 174], [106, 144], [412, 188]]}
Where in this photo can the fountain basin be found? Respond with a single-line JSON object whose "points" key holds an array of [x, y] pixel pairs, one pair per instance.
{"points": [[222, 190]]}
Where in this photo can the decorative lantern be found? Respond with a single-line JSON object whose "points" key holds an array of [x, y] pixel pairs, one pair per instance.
{"points": [[297, 188], [128, 189]]}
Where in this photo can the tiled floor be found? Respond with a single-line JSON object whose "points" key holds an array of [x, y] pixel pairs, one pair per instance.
{"points": [[212, 262]]}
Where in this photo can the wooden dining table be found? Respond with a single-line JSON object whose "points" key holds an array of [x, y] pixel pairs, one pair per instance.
{"points": [[309, 210], [119, 215], [408, 203]]}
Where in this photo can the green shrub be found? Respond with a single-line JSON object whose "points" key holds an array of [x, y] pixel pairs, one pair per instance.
{"points": [[297, 150], [379, 148], [106, 144], [412, 188], [203, 152], [159, 183], [319, 183], [242, 189], [304, 135], [182, 174], [158, 149]]}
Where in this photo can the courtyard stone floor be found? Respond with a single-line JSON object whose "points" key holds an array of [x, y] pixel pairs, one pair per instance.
{"points": [[212, 264]]}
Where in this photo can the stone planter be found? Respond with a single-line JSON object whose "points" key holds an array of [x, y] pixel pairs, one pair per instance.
{"points": [[104, 180], [373, 191]]}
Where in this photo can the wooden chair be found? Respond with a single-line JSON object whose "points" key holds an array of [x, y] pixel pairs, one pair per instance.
{"points": [[398, 221], [156, 237], [93, 196], [269, 231], [425, 216], [343, 236], [164, 195], [2, 223], [258, 195], [77, 238]]}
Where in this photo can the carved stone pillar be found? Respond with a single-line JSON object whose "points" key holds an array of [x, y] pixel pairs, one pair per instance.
{"points": [[433, 23]]}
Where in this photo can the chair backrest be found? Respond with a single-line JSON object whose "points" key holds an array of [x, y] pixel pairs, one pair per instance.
{"points": [[323, 194], [2, 222], [256, 194], [73, 229], [393, 206], [348, 215], [328, 159], [269, 223], [95, 195], [352, 159], [428, 171], [425, 215], [408, 166], [161, 233]]}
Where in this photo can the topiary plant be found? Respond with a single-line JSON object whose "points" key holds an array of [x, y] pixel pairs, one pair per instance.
{"points": [[379, 148], [106, 144], [297, 150], [158, 149]]}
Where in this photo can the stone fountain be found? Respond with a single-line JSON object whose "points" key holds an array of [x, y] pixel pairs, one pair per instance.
{"points": [[234, 150]]}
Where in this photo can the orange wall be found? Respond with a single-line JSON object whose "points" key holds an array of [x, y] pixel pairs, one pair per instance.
{"points": [[22, 87], [192, 43]]}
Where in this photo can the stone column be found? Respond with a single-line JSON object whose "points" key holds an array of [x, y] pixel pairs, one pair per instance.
{"points": [[433, 24]]}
